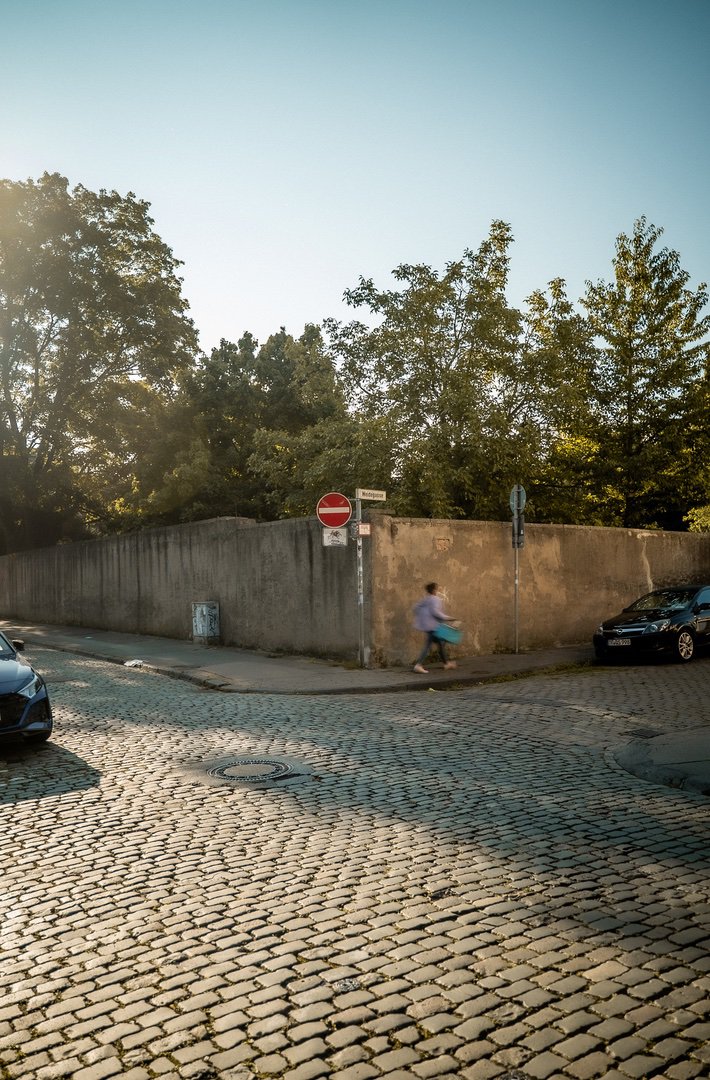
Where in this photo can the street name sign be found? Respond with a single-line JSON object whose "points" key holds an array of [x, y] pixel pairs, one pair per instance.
{"points": [[370, 495]]}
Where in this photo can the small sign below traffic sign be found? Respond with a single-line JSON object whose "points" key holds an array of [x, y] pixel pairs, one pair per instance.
{"points": [[335, 537], [334, 510]]}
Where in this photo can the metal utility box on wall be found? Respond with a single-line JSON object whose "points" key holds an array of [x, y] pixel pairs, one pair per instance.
{"points": [[205, 622]]}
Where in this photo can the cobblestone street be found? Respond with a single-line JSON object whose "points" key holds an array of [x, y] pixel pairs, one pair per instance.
{"points": [[457, 883]]}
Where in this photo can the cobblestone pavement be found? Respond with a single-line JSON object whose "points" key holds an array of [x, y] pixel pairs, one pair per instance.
{"points": [[453, 884]]}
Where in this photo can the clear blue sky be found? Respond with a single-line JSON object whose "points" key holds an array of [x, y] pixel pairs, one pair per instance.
{"points": [[288, 146]]}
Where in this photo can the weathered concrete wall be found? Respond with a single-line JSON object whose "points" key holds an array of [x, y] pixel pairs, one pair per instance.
{"points": [[276, 585], [569, 578], [279, 589]]}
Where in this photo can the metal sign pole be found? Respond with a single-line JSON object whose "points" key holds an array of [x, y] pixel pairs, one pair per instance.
{"points": [[517, 587], [371, 495], [360, 586], [517, 505]]}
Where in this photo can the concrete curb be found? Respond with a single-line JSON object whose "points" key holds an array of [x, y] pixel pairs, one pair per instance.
{"points": [[682, 762]]}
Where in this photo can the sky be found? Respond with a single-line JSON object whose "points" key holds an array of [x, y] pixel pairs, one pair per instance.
{"points": [[288, 147]]}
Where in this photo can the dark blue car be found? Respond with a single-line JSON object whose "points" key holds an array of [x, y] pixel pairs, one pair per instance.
{"points": [[675, 620], [24, 702]]}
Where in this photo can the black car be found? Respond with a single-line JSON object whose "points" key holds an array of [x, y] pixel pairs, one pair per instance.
{"points": [[24, 702], [673, 620]]}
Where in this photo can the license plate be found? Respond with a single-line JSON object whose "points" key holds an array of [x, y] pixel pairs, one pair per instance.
{"points": [[619, 641]]}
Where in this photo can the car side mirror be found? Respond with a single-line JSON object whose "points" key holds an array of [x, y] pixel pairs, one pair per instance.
{"points": [[18, 643]]}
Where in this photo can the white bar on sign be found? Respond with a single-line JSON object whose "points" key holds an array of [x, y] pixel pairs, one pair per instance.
{"points": [[370, 496]]}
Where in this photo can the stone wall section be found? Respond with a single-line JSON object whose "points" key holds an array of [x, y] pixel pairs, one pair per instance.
{"points": [[569, 578], [280, 589]]}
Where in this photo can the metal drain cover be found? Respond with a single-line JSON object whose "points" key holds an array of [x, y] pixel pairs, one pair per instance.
{"points": [[246, 770], [251, 770]]}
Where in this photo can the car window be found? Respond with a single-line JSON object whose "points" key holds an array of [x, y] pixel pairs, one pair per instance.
{"points": [[704, 596], [667, 599]]}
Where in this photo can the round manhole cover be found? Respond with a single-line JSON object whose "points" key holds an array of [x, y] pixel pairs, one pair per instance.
{"points": [[250, 769]]}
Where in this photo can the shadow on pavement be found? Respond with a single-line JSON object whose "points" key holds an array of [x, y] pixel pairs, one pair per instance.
{"points": [[30, 771]]}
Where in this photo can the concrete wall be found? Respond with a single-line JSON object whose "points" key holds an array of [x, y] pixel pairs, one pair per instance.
{"points": [[279, 589], [570, 577]]}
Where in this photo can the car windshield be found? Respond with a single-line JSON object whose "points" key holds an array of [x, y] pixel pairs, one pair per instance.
{"points": [[666, 599]]}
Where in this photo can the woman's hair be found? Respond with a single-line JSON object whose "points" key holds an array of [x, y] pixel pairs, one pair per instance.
{"points": [[431, 587]]}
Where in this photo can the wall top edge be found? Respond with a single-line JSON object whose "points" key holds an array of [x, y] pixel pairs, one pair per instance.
{"points": [[380, 515]]}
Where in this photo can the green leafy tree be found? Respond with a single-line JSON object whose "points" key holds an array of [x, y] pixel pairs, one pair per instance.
{"points": [[559, 356], [646, 410], [242, 405], [89, 305], [467, 387], [341, 453]]}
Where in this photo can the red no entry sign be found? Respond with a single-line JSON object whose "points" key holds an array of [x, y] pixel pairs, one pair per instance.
{"points": [[334, 510]]}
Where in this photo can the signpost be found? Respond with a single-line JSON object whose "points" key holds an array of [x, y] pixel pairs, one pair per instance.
{"points": [[363, 529], [334, 510], [518, 499]]}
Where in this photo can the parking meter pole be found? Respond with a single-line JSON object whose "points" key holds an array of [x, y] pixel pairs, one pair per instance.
{"points": [[517, 588], [362, 659]]}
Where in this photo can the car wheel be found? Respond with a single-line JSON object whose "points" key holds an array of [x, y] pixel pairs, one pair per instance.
{"points": [[685, 646]]}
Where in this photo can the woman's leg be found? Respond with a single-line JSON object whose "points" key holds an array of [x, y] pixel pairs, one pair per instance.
{"points": [[425, 650]]}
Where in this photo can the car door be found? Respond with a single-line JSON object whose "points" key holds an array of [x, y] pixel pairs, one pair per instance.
{"points": [[702, 605]]}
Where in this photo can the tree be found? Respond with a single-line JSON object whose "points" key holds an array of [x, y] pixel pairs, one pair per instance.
{"points": [[90, 305], [647, 393], [342, 452], [468, 387], [241, 406]]}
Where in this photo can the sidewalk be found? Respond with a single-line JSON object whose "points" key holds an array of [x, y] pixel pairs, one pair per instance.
{"points": [[681, 761], [246, 672]]}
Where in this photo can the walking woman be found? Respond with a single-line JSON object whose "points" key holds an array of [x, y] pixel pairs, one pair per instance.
{"points": [[428, 616]]}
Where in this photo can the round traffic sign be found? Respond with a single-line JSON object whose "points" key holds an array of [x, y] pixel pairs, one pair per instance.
{"points": [[334, 510], [518, 498]]}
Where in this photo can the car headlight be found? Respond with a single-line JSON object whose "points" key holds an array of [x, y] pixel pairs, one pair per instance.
{"points": [[655, 627], [32, 687], [600, 628]]}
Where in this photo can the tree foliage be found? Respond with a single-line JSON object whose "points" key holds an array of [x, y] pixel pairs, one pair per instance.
{"points": [[438, 391], [237, 410], [647, 394], [468, 387], [90, 308]]}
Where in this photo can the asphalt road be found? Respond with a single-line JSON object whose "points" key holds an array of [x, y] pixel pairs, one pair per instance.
{"points": [[459, 883]]}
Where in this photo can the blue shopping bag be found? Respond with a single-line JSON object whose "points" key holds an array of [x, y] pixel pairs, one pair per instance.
{"points": [[448, 633]]}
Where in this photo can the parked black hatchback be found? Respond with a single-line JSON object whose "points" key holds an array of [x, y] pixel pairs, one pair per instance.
{"points": [[24, 702], [673, 620]]}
